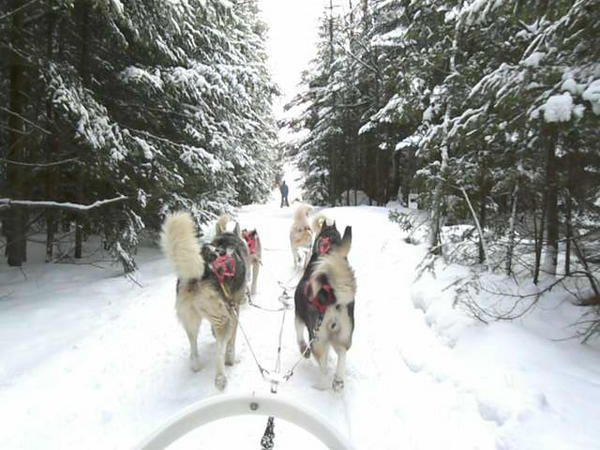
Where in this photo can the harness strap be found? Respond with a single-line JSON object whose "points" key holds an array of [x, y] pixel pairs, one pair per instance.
{"points": [[224, 268], [321, 304], [251, 241]]}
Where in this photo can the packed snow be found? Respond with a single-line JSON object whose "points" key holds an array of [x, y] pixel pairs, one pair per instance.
{"points": [[93, 360]]}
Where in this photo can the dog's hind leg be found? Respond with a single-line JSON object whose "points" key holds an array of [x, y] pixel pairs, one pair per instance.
{"points": [[223, 334], [255, 271], [230, 352], [191, 323], [321, 351], [304, 349], [340, 371]]}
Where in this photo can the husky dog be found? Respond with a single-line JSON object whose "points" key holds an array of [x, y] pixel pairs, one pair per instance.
{"points": [[211, 283], [255, 256], [324, 299], [301, 234]]}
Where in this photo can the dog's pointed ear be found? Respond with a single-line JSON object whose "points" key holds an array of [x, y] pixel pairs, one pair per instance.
{"points": [[346, 242], [236, 230]]}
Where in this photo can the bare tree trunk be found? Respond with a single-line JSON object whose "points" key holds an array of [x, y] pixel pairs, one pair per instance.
{"points": [[482, 205], [435, 239], [539, 241], [52, 147], [569, 212], [84, 72], [569, 234], [551, 255], [485, 260], [16, 224], [436, 213], [332, 162], [511, 229]]}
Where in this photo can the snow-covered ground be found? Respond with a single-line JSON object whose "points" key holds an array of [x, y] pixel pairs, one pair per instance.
{"points": [[91, 360]]}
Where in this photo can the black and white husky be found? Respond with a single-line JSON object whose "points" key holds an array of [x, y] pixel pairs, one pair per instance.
{"points": [[211, 284], [324, 299]]}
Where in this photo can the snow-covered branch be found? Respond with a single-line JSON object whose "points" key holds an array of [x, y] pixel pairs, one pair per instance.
{"points": [[7, 203], [24, 119], [16, 10], [49, 164]]}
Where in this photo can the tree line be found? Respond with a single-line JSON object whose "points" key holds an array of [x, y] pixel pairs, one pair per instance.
{"points": [[488, 110], [116, 111]]}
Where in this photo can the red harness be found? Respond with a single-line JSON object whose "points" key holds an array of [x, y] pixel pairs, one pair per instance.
{"points": [[252, 242], [317, 302], [223, 267], [324, 245]]}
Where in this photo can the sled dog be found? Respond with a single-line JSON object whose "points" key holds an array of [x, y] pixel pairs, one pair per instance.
{"points": [[301, 235], [324, 299], [255, 257], [211, 284]]}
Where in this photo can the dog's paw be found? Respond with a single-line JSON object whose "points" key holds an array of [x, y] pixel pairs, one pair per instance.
{"points": [[321, 385], [221, 382], [337, 384], [304, 350], [195, 364]]}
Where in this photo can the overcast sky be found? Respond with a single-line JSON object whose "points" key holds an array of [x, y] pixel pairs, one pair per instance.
{"points": [[292, 38]]}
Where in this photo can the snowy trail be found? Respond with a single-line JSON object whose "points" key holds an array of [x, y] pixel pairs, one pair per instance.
{"points": [[90, 360]]}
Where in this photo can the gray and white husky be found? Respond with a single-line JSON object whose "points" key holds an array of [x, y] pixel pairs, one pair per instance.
{"points": [[211, 284], [324, 299], [255, 257]]}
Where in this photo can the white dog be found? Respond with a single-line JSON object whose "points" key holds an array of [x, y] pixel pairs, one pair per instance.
{"points": [[301, 235]]}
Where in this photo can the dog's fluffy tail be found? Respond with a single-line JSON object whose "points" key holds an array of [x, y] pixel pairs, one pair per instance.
{"points": [[180, 245]]}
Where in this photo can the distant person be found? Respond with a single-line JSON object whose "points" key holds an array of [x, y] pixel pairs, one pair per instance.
{"points": [[284, 194]]}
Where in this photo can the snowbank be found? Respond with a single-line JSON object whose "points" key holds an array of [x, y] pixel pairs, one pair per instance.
{"points": [[92, 360]]}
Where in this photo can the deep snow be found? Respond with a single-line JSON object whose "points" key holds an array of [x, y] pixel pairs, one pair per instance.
{"points": [[91, 360]]}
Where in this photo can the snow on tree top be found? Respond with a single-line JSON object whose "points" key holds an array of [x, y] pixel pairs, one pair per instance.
{"points": [[534, 59], [571, 86], [592, 94], [558, 108], [138, 74]]}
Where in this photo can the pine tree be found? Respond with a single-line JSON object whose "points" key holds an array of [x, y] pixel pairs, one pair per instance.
{"points": [[165, 105]]}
